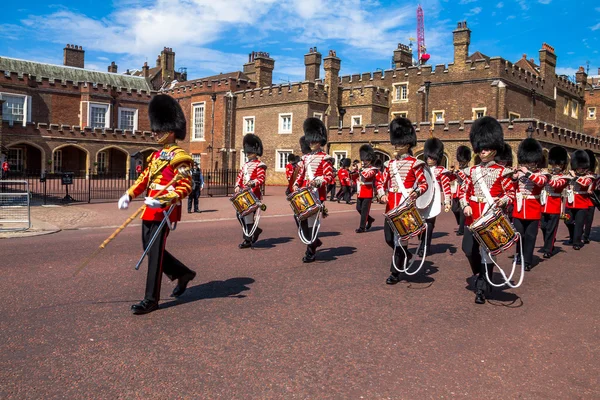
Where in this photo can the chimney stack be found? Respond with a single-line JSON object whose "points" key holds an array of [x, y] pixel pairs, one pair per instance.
{"points": [[312, 63], [73, 56], [332, 65], [547, 62], [167, 63], [403, 56], [145, 70], [112, 67], [581, 77], [462, 40]]}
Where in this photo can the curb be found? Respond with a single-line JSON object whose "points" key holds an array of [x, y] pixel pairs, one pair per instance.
{"points": [[38, 228]]}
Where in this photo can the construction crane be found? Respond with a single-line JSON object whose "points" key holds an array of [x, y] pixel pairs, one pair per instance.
{"points": [[421, 48]]}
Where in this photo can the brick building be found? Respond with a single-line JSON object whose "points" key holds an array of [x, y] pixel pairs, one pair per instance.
{"points": [[66, 118], [591, 123]]}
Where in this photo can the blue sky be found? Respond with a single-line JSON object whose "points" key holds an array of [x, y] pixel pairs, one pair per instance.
{"points": [[213, 36]]}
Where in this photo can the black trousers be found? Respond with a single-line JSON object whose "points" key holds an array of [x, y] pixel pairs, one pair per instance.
{"points": [[399, 257], [430, 226], [363, 206], [575, 224], [331, 189], [347, 193], [307, 231], [471, 248], [193, 198], [549, 225], [159, 260], [459, 215], [528, 228], [589, 220]]}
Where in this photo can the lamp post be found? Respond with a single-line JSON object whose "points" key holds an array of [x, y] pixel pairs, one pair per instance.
{"points": [[427, 86], [341, 111]]}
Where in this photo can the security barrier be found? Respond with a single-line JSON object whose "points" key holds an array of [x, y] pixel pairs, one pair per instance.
{"points": [[15, 212]]}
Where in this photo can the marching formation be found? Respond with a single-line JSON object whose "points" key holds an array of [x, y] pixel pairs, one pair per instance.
{"points": [[496, 206]]}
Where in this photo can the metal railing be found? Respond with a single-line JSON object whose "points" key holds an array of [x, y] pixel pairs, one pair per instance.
{"points": [[15, 212]]}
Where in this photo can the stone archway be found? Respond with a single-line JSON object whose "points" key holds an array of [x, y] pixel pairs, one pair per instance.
{"points": [[71, 158], [112, 160], [27, 157]]}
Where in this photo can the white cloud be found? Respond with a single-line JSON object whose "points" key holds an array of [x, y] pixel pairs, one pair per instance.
{"points": [[467, 1], [544, 1], [500, 5], [595, 27], [511, 17], [566, 71], [474, 11], [523, 4]]}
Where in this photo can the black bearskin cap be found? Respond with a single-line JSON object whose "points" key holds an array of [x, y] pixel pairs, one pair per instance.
{"points": [[530, 152], [592, 160], [580, 159], [346, 162], [166, 115], [315, 131], [366, 153], [463, 154], [304, 146], [253, 144], [291, 158], [558, 155], [434, 148], [486, 133], [402, 132], [505, 156]]}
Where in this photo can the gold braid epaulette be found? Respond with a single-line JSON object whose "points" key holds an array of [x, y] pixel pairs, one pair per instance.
{"points": [[180, 157]]}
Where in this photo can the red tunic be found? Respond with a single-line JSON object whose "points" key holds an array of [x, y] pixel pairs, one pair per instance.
{"points": [[498, 183], [441, 176], [366, 182], [581, 196], [344, 177], [314, 167], [289, 171], [554, 188], [410, 170], [529, 188], [252, 174]]}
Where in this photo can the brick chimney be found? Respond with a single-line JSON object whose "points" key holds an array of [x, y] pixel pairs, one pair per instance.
{"points": [[312, 63], [73, 56], [403, 56], [112, 67], [547, 62], [263, 66], [146, 70], [167, 63], [249, 67], [332, 65], [462, 40], [581, 77]]}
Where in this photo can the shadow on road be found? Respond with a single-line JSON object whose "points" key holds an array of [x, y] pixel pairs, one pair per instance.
{"points": [[272, 242], [212, 290], [328, 234], [498, 297], [423, 279], [207, 211], [333, 253]]}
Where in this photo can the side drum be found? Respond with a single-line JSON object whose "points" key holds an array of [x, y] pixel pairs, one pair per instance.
{"points": [[305, 203], [405, 221], [245, 202], [494, 232]]}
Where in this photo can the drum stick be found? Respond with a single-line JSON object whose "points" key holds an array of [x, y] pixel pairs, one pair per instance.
{"points": [[123, 226]]}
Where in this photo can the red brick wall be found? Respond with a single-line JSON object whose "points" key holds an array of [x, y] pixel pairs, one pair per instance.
{"points": [[591, 126]]}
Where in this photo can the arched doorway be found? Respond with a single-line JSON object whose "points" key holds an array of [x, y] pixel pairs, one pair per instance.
{"points": [[70, 158], [26, 158], [112, 160]]}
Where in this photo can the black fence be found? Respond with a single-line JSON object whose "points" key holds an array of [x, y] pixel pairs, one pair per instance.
{"points": [[79, 186]]}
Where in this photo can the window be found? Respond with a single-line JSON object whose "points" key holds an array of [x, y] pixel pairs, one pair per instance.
{"points": [[479, 112], [574, 109], [101, 167], [198, 121], [128, 119], [438, 116], [403, 114], [512, 116], [15, 159], [197, 158], [16, 108], [591, 113], [341, 123], [243, 157], [339, 155], [281, 159], [318, 115], [567, 106], [98, 115], [57, 161], [285, 123], [400, 92], [248, 125], [356, 121]]}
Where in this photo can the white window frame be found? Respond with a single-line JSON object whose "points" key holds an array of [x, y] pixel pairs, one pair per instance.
{"points": [[336, 156], [352, 124], [318, 115], [278, 154], [281, 127], [567, 107], [246, 119], [197, 158], [243, 157], [202, 137], [403, 114], [57, 160], [574, 109], [479, 109], [592, 113], [135, 117], [26, 107], [516, 116], [102, 161], [106, 107], [398, 94], [434, 120], [17, 163]]}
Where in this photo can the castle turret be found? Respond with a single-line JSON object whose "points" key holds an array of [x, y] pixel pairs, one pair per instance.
{"points": [[312, 63]]}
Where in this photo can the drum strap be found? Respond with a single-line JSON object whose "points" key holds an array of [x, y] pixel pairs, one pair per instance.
{"points": [[399, 181], [484, 188]]}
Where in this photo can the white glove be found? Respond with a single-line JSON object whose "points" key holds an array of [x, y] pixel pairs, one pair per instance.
{"points": [[124, 202], [152, 203], [318, 181]]}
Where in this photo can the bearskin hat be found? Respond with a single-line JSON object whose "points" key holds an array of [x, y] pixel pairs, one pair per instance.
{"points": [[304, 145], [505, 156], [315, 131], [463, 154], [166, 115], [580, 159], [346, 162], [558, 155], [434, 148], [366, 153], [530, 152], [486, 133], [402, 132], [252, 144], [592, 160]]}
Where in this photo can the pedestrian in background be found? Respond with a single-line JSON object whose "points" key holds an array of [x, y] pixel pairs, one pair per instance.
{"points": [[5, 169], [197, 186]]}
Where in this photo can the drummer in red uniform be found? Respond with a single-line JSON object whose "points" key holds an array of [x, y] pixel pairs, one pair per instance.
{"points": [[251, 176], [314, 171], [528, 182], [289, 170], [345, 182], [485, 183], [463, 156], [551, 197], [365, 188], [403, 170], [578, 198]]}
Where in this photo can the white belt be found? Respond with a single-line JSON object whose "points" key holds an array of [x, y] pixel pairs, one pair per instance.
{"points": [[478, 199], [531, 197], [580, 192], [554, 195], [158, 186]]}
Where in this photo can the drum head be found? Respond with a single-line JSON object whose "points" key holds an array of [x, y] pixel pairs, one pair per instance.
{"points": [[425, 199]]}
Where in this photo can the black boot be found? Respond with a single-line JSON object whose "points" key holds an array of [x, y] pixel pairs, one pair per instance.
{"points": [[257, 233], [144, 307], [370, 221], [393, 278], [182, 283]]}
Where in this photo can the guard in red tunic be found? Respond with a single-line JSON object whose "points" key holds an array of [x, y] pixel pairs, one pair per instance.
{"points": [[528, 182], [589, 220], [289, 171], [551, 197], [251, 176], [505, 158], [354, 177], [314, 171], [167, 122], [578, 198], [366, 187], [345, 182], [403, 170], [463, 157], [487, 184], [433, 153]]}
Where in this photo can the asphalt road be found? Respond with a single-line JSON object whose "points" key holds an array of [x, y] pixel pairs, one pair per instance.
{"points": [[258, 324]]}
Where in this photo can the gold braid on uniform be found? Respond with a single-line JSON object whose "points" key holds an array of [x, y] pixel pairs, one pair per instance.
{"points": [[183, 187]]}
